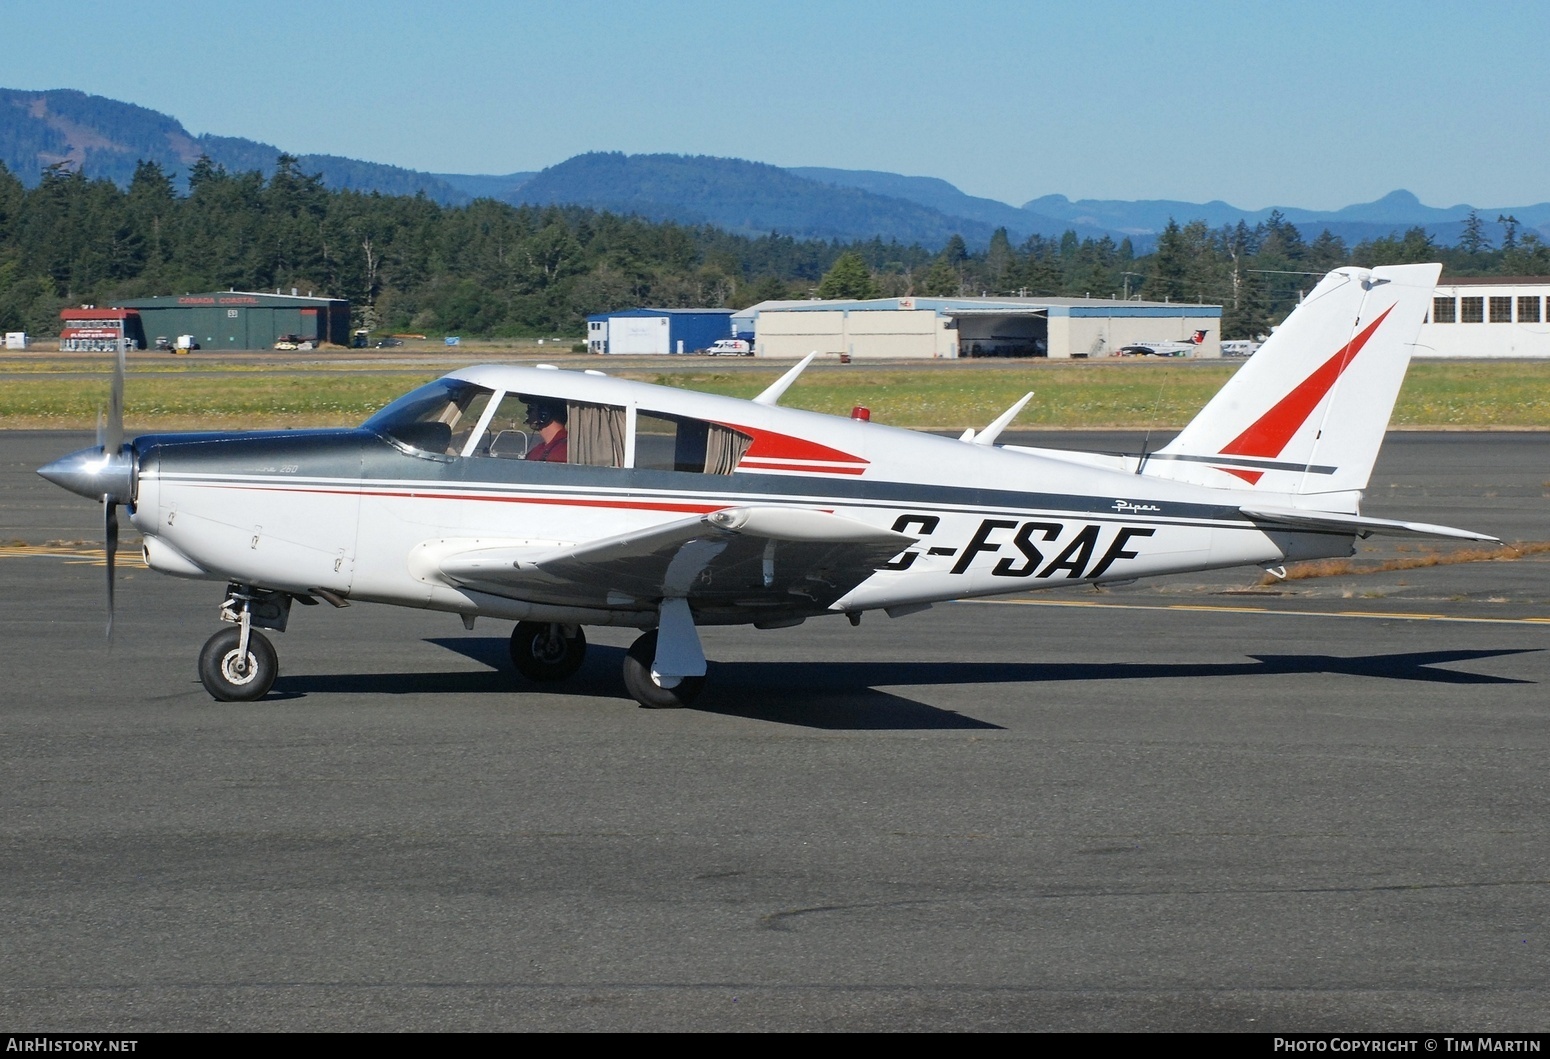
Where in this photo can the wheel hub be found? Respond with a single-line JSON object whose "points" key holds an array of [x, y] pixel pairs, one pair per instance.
{"points": [[549, 647], [238, 669]]}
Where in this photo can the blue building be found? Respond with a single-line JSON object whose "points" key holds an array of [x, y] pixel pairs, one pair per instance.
{"points": [[658, 331]]}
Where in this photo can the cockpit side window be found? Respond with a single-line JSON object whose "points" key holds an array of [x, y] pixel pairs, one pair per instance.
{"points": [[676, 443], [437, 418], [526, 426]]}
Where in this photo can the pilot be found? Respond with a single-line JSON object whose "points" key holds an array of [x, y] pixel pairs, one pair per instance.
{"points": [[548, 419]]}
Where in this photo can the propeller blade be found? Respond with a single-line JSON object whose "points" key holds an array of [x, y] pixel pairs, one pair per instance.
{"points": [[110, 549], [115, 434]]}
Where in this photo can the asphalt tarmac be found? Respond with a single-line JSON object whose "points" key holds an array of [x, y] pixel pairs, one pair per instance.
{"points": [[1191, 804]]}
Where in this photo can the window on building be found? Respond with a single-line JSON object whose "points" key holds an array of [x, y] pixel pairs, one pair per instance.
{"points": [[1472, 310], [1501, 310], [674, 443], [1444, 310], [1528, 309]]}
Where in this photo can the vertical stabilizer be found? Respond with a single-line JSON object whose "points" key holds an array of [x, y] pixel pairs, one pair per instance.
{"points": [[1307, 413]]}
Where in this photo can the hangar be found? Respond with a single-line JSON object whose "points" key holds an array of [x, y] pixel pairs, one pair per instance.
{"points": [[1058, 328], [1488, 316], [658, 331], [244, 319]]}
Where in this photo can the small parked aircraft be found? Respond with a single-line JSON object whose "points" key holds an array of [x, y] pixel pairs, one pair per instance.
{"points": [[1163, 349], [561, 499]]}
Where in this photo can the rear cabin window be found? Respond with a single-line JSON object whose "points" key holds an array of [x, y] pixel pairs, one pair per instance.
{"points": [[676, 443]]}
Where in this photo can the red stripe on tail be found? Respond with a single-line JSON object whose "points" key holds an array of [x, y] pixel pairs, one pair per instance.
{"points": [[1271, 432]]}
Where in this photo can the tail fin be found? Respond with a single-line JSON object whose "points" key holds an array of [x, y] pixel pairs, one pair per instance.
{"points": [[1307, 413]]}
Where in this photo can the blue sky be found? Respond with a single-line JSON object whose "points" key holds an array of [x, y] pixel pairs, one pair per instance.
{"points": [[1309, 104]]}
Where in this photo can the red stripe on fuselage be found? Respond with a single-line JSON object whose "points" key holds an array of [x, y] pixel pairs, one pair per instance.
{"points": [[770, 445], [1271, 432], [415, 494], [640, 505], [768, 465]]}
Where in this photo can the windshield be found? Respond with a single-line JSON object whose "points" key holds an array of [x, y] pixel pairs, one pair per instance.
{"points": [[438, 417]]}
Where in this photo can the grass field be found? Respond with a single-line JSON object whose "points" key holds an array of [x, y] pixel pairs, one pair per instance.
{"points": [[254, 392]]}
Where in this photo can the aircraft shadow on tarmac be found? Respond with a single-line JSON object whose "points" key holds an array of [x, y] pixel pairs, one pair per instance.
{"points": [[846, 695]]}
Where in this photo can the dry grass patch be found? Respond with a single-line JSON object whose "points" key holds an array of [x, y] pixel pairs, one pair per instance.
{"points": [[1427, 557]]}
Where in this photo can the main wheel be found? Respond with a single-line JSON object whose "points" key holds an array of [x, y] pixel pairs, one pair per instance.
{"points": [[232, 679], [545, 651], [646, 689]]}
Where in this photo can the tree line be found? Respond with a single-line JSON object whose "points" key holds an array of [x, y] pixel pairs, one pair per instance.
{"points": [[491, 269]]}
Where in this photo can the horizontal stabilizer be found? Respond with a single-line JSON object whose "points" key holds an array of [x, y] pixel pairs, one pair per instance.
{"points": [[1358, 525]]}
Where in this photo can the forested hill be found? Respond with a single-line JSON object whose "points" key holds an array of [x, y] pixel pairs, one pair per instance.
{"points": [[1394, 212], [406, 262], [940, 195], [106, 138], [748, 198]]}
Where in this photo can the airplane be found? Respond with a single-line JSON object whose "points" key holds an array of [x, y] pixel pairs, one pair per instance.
{"points": [[1163, 349], [560, 499]]}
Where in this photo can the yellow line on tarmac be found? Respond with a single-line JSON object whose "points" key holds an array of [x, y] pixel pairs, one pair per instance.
{"points": [[1224, 609], [73, 554]]}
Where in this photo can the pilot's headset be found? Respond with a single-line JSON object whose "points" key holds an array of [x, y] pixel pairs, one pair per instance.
{"points": [[541, 413]]}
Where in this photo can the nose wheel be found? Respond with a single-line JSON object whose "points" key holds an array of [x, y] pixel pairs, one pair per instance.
{"points": [[232, 671], [546, 651]]}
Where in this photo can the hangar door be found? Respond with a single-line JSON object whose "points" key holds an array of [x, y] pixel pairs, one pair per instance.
{"points": [[1003, 334], [638, 334]]}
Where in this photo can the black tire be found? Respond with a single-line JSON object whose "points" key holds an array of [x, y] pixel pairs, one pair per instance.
{"points": [[645, 690], [220, 674], [543, 652]]}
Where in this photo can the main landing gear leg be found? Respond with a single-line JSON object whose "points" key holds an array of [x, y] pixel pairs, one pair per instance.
{"points": [[665, 668]]}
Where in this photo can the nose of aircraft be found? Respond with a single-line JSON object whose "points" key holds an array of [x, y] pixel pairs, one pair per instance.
{"points": [[94, 473]]}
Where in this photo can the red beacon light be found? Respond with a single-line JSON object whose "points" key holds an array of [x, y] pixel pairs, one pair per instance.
{"points": [[861, 412]]}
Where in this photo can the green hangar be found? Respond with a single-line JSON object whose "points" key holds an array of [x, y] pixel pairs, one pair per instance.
{"points": [[243, 319]]}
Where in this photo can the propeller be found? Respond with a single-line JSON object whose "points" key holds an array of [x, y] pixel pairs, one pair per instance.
{"points": [[115, 433], [110, 549], [105, 472], [113, 450]]}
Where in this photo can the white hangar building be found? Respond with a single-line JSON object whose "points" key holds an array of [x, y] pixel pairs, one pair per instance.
{"points": [[1488, 316], [1058, 328]]}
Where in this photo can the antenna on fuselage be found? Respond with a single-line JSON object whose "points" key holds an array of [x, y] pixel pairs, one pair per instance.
{"points": [[771, 395], [989, 435]]}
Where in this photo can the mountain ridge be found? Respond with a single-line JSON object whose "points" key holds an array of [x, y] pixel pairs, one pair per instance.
{"points": [[106, 138]]}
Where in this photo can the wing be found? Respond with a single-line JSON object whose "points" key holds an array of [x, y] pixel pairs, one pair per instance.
{"points": [[755, 559]]}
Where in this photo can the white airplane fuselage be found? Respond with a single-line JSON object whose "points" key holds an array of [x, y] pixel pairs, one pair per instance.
{"points": [[363, 518]]}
